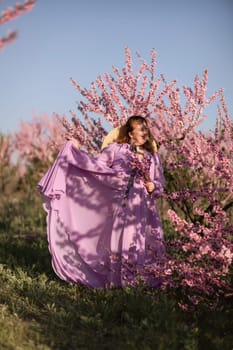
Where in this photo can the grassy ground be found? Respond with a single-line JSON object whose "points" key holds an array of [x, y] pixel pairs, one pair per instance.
{"points": [[38, 311]]}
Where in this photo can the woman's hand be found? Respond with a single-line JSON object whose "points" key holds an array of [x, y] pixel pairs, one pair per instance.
{"points": [[150, 186], [74, 141]]}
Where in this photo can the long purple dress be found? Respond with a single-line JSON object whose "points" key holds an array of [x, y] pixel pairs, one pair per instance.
{"points": [[103, 226]]}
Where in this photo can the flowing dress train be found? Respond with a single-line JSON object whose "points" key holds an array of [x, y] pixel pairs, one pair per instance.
{"points": [[103, 227]]}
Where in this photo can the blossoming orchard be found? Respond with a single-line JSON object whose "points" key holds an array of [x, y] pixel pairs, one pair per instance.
{"points": [[196, 208]]}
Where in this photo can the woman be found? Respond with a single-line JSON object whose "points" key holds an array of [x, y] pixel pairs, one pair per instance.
{"points": [[103, 225]]}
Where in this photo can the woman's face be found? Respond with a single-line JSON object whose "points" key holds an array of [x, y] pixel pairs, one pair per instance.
{"points": [[139, 135]]}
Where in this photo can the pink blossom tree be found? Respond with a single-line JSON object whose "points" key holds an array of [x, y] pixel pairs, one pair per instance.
{"points": [[114, 97], [10, 14], [38, 141], [24, 157], [199, 168]]}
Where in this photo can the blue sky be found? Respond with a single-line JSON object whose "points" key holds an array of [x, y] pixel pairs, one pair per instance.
{"points": [[83, 39]]}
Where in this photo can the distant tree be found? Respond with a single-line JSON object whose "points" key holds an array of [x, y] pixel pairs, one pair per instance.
{"points": [[10, 14], [37, 142], [6, 164]]}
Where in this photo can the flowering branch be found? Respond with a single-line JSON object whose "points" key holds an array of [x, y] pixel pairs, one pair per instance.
{"points": [[12, 13]]}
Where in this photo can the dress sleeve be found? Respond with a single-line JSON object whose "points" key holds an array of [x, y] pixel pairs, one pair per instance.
{"points": [[55, 179], [106, 157], [157, 176]]}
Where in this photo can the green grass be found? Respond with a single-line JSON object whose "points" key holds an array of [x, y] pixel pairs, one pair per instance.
{"points": [[38, 311]]}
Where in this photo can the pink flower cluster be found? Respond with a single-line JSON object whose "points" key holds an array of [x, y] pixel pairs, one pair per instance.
{"points": [[142, 166], [9, 38], [205, 262]]}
